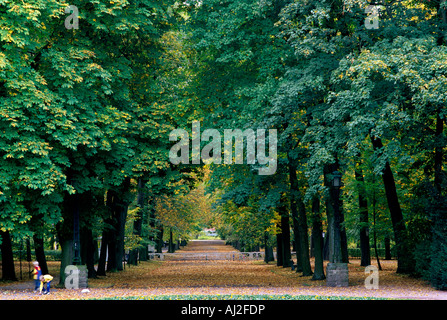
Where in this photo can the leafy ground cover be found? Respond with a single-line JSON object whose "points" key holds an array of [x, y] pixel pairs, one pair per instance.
{"points": [[208, 279], [240, 297]]}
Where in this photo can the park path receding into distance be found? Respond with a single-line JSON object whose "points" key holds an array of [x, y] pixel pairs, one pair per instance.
{"points": [[210, 246], [202, 263], [228, 277], [191, 276]]}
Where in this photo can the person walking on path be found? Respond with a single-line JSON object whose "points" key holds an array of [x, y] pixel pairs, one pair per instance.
{"points": [[37, 272], [46, 279]]}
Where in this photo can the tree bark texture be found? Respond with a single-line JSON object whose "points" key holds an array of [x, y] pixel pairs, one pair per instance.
{"points": [[404, 257]]}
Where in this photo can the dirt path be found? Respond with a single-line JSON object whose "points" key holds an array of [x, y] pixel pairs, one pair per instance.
{"points": [[229, 277], [207, 246]]}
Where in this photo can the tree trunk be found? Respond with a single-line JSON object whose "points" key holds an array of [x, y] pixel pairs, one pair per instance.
{"points": [[28, 255], [101, 271], [312, 253], [111, 255], [298, 210], [138, 222], [439, 154], [120, 254], [171, 243], [337, 235], [304, 239], [404, 257], [295, 218], [387, 248], [66, 257], [364, 226], [336, 227], [65, 228], [148, 208], [112, 232], [375, 234], [268, 248], [438, 212], [285, 231], [121, 213], [8, 269], [159, 242], [317, 240], [152, 219], [117, 204], [65, 235], [328, 253], [344, 238], [40, 253], [326, 244], [279, 248], [88, 248]]}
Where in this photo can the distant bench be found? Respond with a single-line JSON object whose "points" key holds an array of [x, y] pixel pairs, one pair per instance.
{"points": [[208, 256]]}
